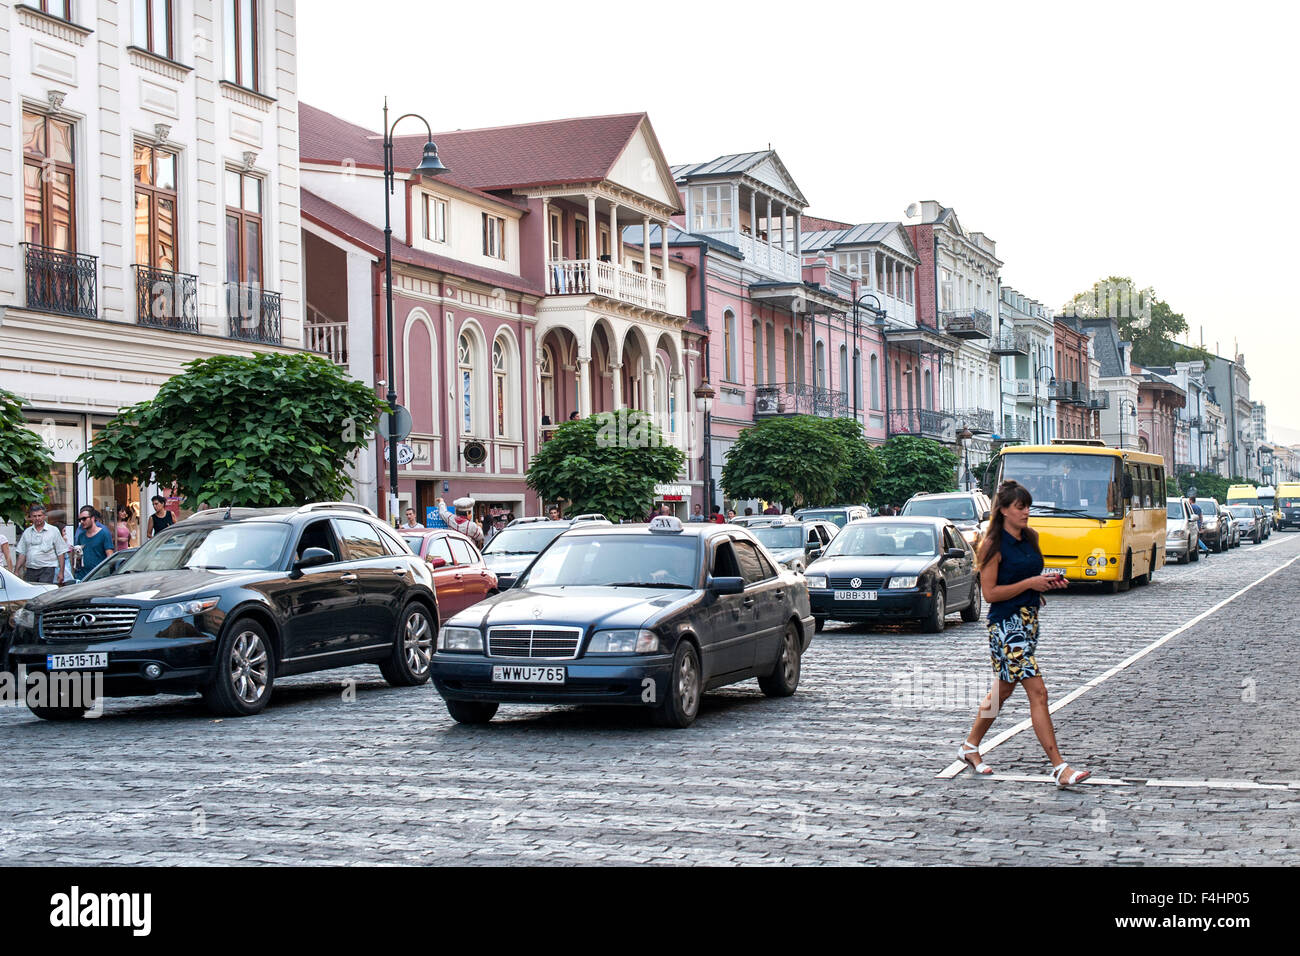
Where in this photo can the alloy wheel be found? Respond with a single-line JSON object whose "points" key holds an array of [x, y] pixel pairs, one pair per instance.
{"points": [[789, 657], [688, 684], [249, 667], [418, 642]]}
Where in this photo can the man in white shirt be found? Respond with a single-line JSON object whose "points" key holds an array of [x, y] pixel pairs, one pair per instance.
{"points": [[40, 551], [463, 519], [411, 523], [6, 555]]}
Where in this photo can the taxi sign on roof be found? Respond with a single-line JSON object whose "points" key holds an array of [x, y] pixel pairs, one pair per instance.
{"points": [[665, 523]]}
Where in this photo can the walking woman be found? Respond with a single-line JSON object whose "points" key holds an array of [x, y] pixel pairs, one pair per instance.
{"points": [[1011, 577]]}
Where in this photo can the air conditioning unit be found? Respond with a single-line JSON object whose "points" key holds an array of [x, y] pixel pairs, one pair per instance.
{"points": [[767, 405]]}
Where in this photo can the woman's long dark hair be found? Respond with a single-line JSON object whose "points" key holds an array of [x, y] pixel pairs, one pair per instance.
{"points": [[1008, 493]]}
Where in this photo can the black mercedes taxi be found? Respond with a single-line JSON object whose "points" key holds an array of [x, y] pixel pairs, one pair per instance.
{"points": [[648, 616]]}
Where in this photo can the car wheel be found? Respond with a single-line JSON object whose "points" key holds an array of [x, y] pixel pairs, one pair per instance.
{"points": [[471, 711], [971, 613], [63, 709], [938, 611], [1194, 552], [244, 672], [412, 648], [784, 679], [1126, 582], [682, 704], [819, 624]]}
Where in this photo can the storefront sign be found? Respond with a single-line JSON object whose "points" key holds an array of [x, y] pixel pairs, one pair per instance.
{"points": [[672, 492], [64, 441]]}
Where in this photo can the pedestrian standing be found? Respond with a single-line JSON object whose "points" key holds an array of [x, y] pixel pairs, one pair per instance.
{"points": [[161, 519], [411, 523], [553, 513], [6, 553], [697, 513], [95, 542], [772, 509], [716, 516], [1011, 577], [731, 515], [463, 519], [40, 550], [122, 531]]}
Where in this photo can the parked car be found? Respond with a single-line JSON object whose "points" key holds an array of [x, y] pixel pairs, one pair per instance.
{"points": [[1234, 527], [1248, 522], [892, 568], [1182, 538], [839, 515], [968, 510], [794, 543], [110, 565], [460, 575], [229, 600], [649, 616], [514, 547], [1265, 516], [1216, 529], [14, 595]]}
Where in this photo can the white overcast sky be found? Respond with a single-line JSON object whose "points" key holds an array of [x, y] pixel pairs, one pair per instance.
{"points": [[1155, 140]]}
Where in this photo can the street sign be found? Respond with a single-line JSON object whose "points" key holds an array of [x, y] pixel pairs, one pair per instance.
{"points": [[403, 425], [405, 453]]}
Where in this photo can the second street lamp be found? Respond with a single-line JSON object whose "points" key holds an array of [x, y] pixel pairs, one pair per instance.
{"points": [[704, 394], [430, 165]]}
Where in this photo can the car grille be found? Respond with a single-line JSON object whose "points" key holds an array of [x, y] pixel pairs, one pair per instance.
{"points": [[846, 583], [90, 622], [553, 643]]}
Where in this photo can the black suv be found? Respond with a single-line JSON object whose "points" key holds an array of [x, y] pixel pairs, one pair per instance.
{"points": [[228, 600]]}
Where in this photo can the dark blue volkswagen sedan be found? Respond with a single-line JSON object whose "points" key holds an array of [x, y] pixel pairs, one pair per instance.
{"points": [[647, 616]]}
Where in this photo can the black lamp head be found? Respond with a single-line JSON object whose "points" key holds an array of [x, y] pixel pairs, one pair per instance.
{"points": [[430, 164]]}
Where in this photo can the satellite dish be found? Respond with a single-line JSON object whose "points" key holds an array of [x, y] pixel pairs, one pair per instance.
{"points": [[912, 211]]}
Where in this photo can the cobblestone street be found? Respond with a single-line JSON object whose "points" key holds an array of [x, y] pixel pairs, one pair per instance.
{"points": [[847, 770]]}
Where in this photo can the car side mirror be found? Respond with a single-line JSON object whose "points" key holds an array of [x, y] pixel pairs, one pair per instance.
{"points": [[816, 552], [438, 562], [955, 554], [313, 558], [986, 516], [727, 585]]}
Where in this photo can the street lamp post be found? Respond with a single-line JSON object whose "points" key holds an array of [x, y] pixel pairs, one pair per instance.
{"points": [[704, 395], [1040, 423], [964, 436], [430, 165], [1133, 413]]}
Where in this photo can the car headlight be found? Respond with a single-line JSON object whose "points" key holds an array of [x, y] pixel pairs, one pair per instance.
{"points": [[460, 639], [625, 641], [25, 617], [815, 580], [170, 612], [903, 582], [1178, 533]]}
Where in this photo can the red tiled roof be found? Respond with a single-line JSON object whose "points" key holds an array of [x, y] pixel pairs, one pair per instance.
{"points": [[577, 150], [344, 224]]}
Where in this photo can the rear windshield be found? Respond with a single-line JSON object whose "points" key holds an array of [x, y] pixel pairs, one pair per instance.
{"points": [[524, 540], [1175, 509], [839, 517], [954, 509]]}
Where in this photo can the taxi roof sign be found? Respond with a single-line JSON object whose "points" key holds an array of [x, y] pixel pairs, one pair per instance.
{"points": [[665, 523]]}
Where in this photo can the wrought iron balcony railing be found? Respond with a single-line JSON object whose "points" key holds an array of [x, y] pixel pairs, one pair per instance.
{"points": [[1099, 400], [925, 422], [254, 313], [1010, 341], [791, 398], [967, 323], [976, 419], [166, 300], [58, 281]]}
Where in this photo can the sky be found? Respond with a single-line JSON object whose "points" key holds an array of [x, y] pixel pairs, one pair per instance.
{"points": [[1150, 140]]}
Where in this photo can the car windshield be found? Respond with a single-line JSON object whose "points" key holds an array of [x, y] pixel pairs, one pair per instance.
{"points": [[1289, 502], [954, 509], [1242, 511], [1071, 485], [839, 517], [780, 538], [245, 545], [524, 540], [1208, 507], [1239, 500], [1175, 510], [651, 560], [872, 540]]}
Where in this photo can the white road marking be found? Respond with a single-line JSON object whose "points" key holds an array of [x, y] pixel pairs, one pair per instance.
{"points": [[1152, 782], [957, 766]]}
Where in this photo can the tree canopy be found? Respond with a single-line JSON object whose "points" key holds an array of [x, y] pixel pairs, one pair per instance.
{"points": [[25, 462], [270, 430], [607, 463], [913, 464], [803, 461], [1143, 318]]}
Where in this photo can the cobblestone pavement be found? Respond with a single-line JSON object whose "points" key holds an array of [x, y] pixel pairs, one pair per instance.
{"points": [[844, 771]]}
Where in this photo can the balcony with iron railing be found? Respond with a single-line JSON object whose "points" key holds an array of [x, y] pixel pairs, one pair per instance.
{"points": [[598, 277], [967, 323], [1010, 341], [793, 398], [62, 282], [253, 312], [924, 422], [1069, 392], [976, 419], [166, 300], [1098, 401], [1026, 391], [1017, 429]]}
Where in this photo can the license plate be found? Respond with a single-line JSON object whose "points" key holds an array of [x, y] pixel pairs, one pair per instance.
{"points": [[855, 595], [528, 675], [1060, 571], [76, 662]]}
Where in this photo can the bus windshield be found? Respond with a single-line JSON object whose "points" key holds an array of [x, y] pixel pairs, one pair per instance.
{"points": [[1067, 485]]}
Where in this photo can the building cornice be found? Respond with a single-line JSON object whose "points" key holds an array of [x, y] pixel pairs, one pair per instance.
{"points": [[51, 25], [611, 192]]}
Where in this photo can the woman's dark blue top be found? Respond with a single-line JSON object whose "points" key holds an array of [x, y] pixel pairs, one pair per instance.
{"points": [[1020, 559]]}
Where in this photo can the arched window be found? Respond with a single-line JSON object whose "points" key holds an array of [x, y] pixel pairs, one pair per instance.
{"points": [[857, 378], [771, 354], [729, 345], [547, 373], [758, 353], [844, 368], [662, 398], [875, 381], [465, 364], [927, 396], [789, 357], [798, 359], [504, 381], [899, 397], [819, 371]]}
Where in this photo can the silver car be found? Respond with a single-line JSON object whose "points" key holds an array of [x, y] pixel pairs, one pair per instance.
{"points": [[14, 593], [1248, 523], [1182, 538]]}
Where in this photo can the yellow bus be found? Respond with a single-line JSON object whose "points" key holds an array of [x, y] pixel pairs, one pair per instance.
{"points": [[1099, 512], [1288, 504]]}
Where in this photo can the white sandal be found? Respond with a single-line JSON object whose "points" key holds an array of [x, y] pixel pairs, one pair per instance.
{"points": [[1058, 774], [964, 752]]}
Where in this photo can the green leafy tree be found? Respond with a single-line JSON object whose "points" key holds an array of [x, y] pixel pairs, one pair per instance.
{"points": [[1144, 319], [270, 430], [1208, 485], [802, 460], [913, 464], [24, 462], [607, 463]]}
